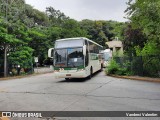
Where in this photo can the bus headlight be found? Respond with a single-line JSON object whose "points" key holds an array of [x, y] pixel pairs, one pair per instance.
{"points": [[56, 70], [80, 70]]}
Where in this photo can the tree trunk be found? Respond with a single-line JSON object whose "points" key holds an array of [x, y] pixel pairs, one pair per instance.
{"points": [[5, 61]]}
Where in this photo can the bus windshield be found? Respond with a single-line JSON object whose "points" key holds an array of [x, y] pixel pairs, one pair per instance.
{"points": [[106, 56], [69, 57]]}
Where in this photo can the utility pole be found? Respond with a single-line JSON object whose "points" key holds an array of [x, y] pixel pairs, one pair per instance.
{"points": [[6, 46]]}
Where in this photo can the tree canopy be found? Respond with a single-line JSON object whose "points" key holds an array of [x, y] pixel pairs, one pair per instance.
{"points": [[144, 16]]}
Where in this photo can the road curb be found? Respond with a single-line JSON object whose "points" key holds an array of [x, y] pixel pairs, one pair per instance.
{"points": [[138, 78]]}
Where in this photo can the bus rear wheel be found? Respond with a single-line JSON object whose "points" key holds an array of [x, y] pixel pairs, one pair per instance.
{"points": [[91, 72], [101, 68]]}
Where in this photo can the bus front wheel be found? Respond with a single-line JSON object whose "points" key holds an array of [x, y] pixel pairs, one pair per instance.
{"points": [[66, 78], [101, 69]]}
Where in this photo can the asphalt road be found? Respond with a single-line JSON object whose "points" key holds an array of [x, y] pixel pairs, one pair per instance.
{"points": [[101, 93]]}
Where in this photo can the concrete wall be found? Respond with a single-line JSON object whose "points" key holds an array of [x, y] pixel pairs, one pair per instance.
{"points": [[116, 46]]}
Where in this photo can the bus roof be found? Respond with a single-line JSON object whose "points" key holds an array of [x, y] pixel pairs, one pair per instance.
{"points": [[77, 38], [107, 50]]}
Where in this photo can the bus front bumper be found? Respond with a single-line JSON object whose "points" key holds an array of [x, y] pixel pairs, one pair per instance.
{"points": [[78, 74]]}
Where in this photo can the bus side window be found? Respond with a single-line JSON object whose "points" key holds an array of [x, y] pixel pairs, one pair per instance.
{"points": [[87, 56]]}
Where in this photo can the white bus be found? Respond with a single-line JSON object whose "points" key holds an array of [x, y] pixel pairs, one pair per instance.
{"points": [[76, 58], [106, 56]]}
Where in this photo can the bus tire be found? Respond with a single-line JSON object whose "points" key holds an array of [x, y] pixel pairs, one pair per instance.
{"points": [[101, 67], [91, 73], [66, 78]]}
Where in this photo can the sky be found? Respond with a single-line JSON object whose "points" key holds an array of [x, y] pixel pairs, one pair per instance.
{"points": [[85, 9]]}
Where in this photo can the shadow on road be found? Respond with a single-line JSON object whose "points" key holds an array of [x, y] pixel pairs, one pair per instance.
{"points": [[79, 79]]}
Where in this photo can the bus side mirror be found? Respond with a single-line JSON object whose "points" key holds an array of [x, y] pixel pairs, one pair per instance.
{"points": [[84, 50], [50, 52]]}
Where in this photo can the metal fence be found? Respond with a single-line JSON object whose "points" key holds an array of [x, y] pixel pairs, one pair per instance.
{"points": [[141, 65]]}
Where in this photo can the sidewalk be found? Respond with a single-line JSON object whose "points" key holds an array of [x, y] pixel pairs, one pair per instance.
{"points": [[43, 70], [39, 70], [149, 79]]}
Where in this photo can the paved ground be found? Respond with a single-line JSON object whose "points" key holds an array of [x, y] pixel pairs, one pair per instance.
{"points": [[101, 93]]}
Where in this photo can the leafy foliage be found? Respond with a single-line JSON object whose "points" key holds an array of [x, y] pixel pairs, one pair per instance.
{"points": [[132, 38], [145, 15], [115, 68], [112, 68], [21, 56], [102, 31]]}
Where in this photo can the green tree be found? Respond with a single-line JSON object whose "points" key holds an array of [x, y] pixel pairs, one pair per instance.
{"points": [[95, 31], [133, 38], [13, 32], [56, 17], [7, 41], [71, 28], [145, 15], [33, 17], [39, 43]]}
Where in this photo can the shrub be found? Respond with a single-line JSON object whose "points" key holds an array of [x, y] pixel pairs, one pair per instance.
{"points": [[112, 67], [14, 71], [115, 68]]}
